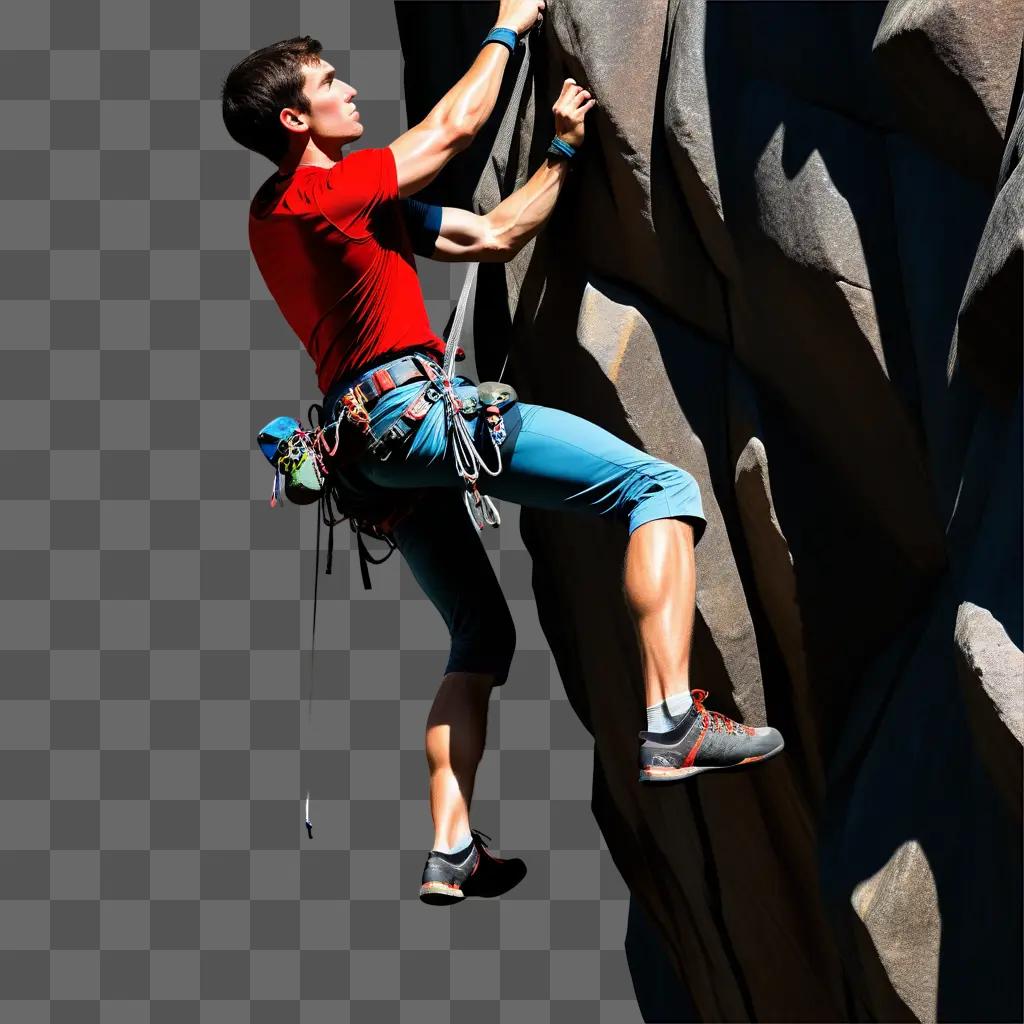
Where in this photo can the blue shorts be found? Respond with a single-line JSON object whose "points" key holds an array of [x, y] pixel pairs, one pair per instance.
{"points": [[550, 460]]}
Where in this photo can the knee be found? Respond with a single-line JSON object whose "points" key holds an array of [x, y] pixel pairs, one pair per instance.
{"points": [[486, 644], [676, 479], [656, 477], [666, 491], [499, 640]]}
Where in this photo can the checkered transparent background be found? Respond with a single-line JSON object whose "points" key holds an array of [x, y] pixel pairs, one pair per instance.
{"points": [[153, 863]]}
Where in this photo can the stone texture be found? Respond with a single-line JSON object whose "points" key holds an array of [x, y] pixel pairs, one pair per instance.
{"points": [[901, 899], [990, 668], [770, 268], [946, 62], [991, 318]]}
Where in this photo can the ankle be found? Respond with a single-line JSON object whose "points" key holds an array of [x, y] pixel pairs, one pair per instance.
{"points": [[454, 842], [679, 703], [667, 713]]}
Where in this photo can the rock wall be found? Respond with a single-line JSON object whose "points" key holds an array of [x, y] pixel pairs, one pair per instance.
{"points": [[791, 262]]}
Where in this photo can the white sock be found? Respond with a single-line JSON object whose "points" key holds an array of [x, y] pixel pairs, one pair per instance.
{"points": [[679, 704], [460, 844], [665, 715]]}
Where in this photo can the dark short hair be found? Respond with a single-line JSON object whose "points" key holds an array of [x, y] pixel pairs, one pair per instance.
{"points": [[259, 87]]}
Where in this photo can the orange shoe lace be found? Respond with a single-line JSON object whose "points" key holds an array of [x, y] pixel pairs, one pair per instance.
{"points": [[715, 719]]}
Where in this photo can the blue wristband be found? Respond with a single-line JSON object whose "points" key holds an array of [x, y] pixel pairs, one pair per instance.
{"points": [[505, 36], [562, 147]]}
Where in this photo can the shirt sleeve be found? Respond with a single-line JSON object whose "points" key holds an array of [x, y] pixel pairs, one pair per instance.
{"points": [[424, 223], [355, 185]]}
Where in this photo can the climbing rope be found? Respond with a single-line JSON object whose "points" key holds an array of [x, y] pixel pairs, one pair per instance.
{"points": [[468, 460]]}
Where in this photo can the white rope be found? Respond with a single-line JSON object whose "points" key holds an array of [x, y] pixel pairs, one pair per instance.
{"points": [[455, 333], [468, 461]]}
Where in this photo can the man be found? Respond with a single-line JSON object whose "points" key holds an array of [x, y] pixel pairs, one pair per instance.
{"points": [[334, 237]]}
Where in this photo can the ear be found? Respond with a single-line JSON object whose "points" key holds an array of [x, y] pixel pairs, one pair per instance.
{"points": [[292, 120]]}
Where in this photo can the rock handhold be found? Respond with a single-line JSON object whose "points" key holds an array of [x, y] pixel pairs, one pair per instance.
{"points": [[900, 898], [991, 673], [991, 320]]}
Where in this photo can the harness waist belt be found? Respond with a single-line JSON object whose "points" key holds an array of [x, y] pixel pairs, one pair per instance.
{"points": [[370, 386], [399, 371]]}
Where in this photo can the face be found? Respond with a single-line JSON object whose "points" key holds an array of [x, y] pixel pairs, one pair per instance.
{"points": [[333, 117]]}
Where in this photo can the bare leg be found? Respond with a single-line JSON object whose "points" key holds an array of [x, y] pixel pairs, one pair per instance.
{"points": [[456, 730], [660, 584]]}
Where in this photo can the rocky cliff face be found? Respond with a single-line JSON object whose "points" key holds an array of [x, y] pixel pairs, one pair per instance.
{"points": [[791, 262]]}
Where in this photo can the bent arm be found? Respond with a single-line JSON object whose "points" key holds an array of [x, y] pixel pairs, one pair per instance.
{"points": [[516, 219], [466, 237], [450, 235]]}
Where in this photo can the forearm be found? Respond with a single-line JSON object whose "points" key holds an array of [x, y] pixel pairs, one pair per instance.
{"points": [[518, 218], [471, 100]]}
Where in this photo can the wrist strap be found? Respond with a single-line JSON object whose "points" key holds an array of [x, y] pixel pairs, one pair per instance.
{"points": [[560, 148], [505, 36]]}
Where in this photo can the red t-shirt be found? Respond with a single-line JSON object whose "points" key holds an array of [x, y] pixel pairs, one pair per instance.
{"points": [[335, 253]]}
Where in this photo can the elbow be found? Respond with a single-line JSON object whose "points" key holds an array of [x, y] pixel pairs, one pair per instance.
{"points": [[500, 245], [461, 134], [496, 255], [510, 248], [448, 130]]}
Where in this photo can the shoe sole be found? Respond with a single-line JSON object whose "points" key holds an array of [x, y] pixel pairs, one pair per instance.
{"points": [[682, 774], [437, 894]]}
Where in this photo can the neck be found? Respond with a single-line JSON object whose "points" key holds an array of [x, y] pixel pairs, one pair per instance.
{"points": [[310, 156]]}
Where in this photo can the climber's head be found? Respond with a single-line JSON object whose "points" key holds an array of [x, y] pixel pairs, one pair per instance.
{"points": [[280, 98]]}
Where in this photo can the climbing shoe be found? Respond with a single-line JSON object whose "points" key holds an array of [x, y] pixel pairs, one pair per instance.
{"points": [[451, 877], [704, 740]]}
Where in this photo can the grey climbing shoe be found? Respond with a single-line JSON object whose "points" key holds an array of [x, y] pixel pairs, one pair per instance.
{"points": [[451, 877], [704, 740]]}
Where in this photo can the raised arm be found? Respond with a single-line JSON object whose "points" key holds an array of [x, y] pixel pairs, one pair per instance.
{"points": [[452, 235], [454, 121]]}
